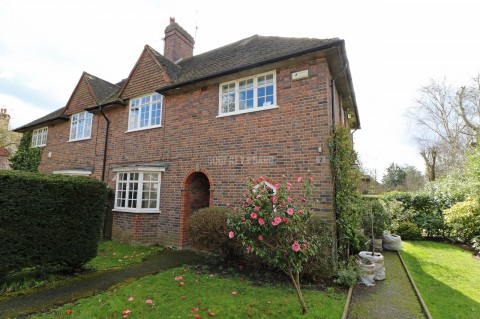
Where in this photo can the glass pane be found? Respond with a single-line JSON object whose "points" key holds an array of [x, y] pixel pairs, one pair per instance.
{"points": [[269, 100], [261, 92], [269, 90], [261, 80], [269, 78]]}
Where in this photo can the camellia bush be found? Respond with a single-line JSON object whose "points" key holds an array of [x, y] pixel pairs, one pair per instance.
{"points": [[273, 225]]}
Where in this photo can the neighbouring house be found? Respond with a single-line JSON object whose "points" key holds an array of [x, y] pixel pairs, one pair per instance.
{"points": [[184, 131]]}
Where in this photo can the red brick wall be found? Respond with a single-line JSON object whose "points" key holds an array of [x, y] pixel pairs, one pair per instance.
{"points": [[81, 98], [271, 143]]}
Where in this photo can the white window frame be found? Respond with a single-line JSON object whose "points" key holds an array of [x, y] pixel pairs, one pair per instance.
{"points": [[81, 123], [272, 187], [73, 172], [135, 124], [141, 170], [39, 137], [255, 107]]}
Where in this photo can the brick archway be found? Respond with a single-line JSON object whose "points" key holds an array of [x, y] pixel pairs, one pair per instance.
{"points": [[197, 192]]}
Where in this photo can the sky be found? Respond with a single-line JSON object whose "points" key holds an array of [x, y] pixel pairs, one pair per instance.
{"points": [[393, 47]]}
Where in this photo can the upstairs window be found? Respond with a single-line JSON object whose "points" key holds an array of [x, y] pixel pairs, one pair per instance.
{"points": [[39, 137], [81, 126], [248, 95], [145, 112]]}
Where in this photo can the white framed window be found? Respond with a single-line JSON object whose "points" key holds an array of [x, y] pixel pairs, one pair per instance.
{"points": [[138, 191], [250, 94], [81, 126], [145, 112], [39, 137]]}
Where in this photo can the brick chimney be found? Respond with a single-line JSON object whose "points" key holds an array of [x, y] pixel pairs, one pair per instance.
{"points": [[4, 116], [178, 43]]}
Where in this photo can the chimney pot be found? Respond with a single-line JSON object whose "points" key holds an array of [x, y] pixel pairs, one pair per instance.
{"points": [[172, 20]]}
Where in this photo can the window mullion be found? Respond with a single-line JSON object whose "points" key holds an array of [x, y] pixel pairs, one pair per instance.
{"points": [[158, 190], [140, 190], [255, 89], [237, 96]]}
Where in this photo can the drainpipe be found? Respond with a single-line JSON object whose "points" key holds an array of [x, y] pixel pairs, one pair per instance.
{"points": [[106, 143], [332, 86]]}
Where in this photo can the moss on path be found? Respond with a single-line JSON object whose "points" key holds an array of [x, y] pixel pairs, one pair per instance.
{"points": [[86, 286], [392, 298]]}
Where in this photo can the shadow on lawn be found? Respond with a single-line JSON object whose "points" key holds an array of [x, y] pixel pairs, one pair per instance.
{"points": [[442, 300]]}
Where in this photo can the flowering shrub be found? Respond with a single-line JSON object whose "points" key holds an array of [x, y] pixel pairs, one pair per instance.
{"points": [[272, 226]]}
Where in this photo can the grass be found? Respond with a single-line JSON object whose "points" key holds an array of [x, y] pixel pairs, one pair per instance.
{"points": [[110, 255], [202, 295], [448, 278]]}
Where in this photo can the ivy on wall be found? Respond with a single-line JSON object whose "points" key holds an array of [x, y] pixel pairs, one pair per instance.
{"points": [[347, 200], [26, 158]]}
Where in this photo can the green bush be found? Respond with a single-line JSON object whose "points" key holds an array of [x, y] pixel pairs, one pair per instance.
{"points": [[381, 219], [322, 264], [409, 231], [48, 220], [26, 158], [208, 231], [464, 218]]}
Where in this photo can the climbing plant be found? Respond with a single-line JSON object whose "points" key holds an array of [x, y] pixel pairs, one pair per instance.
{"points": [[26, 158], [347, 204]]}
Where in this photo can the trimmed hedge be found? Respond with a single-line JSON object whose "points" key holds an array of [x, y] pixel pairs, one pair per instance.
{"points": [[48, 220]]}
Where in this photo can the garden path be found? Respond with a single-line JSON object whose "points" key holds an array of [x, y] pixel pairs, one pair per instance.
{"points": [[88, 285], [393, 298]]}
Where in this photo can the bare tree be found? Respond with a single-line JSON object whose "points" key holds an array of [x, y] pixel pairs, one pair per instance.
{"points": [[468, 106], [441, 123]]}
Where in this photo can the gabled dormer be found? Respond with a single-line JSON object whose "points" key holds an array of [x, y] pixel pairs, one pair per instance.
{"points": [[90, 91]]}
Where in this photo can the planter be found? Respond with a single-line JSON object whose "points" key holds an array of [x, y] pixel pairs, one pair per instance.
{"points": [[378, 261], [392, 242], [377, 244], [367, 269]]}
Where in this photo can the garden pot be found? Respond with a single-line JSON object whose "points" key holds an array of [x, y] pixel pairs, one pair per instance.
{"points": [[378, 261], [377, 244], [367, 269], [392, 242]]}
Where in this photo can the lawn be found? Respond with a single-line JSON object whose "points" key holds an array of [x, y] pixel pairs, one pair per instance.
{"points": [[187, 293], [448, 278], [109, 255]]}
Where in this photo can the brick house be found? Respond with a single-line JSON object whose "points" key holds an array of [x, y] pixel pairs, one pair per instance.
{"points": [[184, 131]]}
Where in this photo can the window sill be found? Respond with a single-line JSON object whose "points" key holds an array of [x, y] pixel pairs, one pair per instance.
{"points": [[79, 139], [143, 129], [257, 109], [37, 146], [137, 211]]}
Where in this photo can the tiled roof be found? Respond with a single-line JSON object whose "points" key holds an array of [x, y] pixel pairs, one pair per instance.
{"points": [[172, 69], [101, 88], [245, 53], [55, 115]]}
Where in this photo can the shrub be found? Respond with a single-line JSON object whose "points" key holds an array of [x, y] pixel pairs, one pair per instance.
{"points": [[209, 231], [26, 158], [376, 212], [348, 275], [409, 231], [464, 218], [322, 264], [48, 220]]}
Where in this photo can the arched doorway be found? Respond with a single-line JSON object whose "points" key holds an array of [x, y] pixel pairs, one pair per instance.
{"points": [[196, 194]]}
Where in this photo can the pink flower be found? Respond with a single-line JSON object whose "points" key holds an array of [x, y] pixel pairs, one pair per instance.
{"points": [[68, 312], [260, 237], [276, 221], [257, 208], [299, 179], [303, 199], [262, 178], [267, 187], [288, 187], [289, 199], [231, 234], [261, 221], [178, 278], [126, 313], [311, 179], [290, 211], [258, 196], [295, 246], [300, 211], [249, 249], [285, 220], [277, 186], [274, 199], [249, 200], [234, 293], [289, 184], [228, 204], [149, 301], [253, 215], [130, 299]]}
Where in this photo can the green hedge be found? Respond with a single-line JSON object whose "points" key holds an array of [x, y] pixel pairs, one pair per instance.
{"points": [[49, 220]]}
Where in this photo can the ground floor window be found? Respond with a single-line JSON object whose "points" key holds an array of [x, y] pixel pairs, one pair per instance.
{"points": [[138, 191]]}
